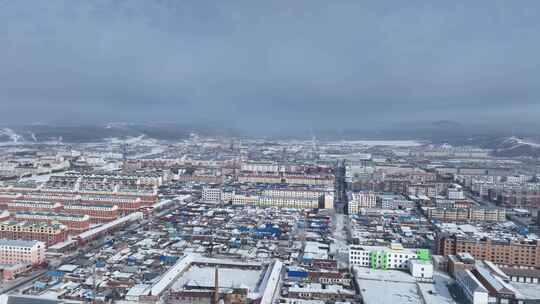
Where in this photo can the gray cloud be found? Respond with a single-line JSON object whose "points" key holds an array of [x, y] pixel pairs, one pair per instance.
{"points": [[270, 65]]}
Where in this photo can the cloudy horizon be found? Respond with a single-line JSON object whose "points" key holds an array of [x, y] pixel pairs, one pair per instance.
{"points": [[272, 65]]}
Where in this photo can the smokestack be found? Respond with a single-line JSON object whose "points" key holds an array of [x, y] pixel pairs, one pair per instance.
{"points": [[216, 286]]}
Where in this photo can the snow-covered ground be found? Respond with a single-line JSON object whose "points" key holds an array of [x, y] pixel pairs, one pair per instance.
{"points": [[41, 178], [155, 150], [14, 137], [111, 166], [437, 292], [340, 246], [521, 142], [129, 140], [228, 278], [393, 143]]}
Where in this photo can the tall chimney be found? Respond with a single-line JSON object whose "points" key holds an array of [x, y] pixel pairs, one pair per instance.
{"points": [[216, 286]]}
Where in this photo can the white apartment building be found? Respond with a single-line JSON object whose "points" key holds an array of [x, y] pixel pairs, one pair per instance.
{"points": [[260, 167], [393, 257], [19, 251], [288, 202], [455, 192], [281, 198], [227, 196], [304, 194], [361, 200], [16, 205], [211, 194]]}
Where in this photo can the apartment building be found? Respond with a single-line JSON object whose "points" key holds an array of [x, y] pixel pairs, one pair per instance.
{"points": [[316, 180], [359, 200], [75, 223], [281, 198], [293, 193], [260, 167], [293, 179], [288, 202], [455, 192], [48, 233], [125, 204], [97, 213], [466, 214], [260, 178], [393, 257], [211, 194], [42, 206], [392, 201], [19, 251], [427, 189], [245, 199], [513, 252], [522, 198]]}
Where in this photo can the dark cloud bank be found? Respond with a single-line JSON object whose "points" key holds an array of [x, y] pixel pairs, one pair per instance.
{"points": [[270, 66]]}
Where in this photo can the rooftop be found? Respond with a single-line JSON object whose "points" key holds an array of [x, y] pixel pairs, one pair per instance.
{"points": [[18, 243], [32, 224], [229, 278]]}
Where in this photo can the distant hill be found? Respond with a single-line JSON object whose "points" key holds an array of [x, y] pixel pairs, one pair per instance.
{"points": [[438, 132], [96, 133], [516, 147]]}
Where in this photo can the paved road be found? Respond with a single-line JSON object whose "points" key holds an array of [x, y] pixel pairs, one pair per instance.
{"points": [[340, 245]]}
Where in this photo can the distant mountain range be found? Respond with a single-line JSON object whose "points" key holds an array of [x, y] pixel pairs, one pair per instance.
{"points": [[454, 133], [44, 133]]}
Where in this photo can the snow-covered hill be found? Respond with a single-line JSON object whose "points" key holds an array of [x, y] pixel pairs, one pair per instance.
{"points": [[92, 133], [515, 147]]}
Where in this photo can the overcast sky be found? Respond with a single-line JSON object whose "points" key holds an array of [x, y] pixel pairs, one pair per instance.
{"points": [[274, 64]]}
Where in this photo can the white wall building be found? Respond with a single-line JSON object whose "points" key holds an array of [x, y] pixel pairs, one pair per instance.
{"points": [[394, 257], [211, 194], [422, 270], [361, 200], [288, 202], [455, 192], [19, 251], [260, 167], [304, 194]]}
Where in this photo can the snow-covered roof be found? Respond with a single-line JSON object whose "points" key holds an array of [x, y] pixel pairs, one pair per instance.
{"points": [[171, 275]]}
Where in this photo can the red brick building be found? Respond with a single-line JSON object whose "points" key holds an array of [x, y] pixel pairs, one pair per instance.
{"points": [[100, 205], [39, 206], [125, 204], [522, 253], [48, 233], [74, 222], [97, 213]]}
